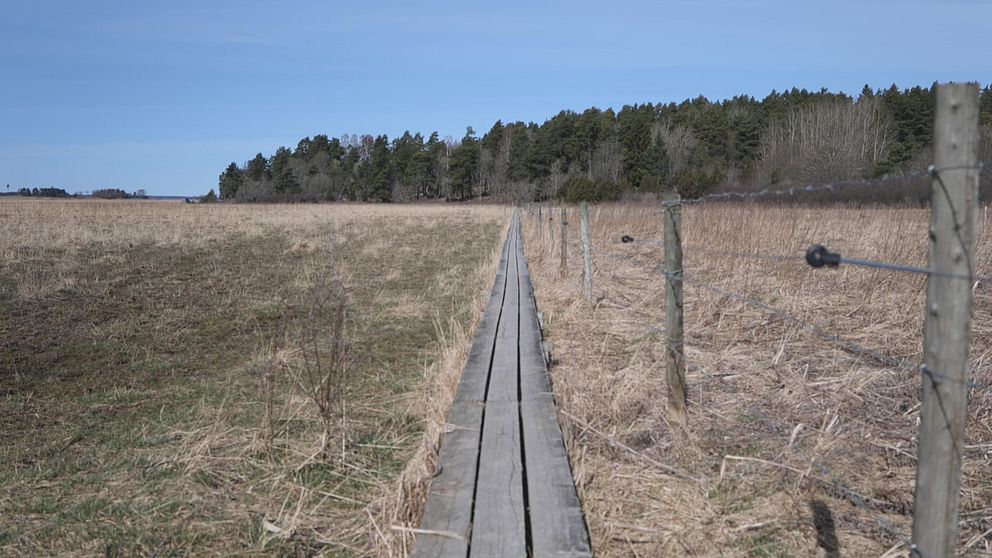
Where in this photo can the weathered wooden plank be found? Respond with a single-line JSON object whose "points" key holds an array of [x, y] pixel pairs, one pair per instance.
{"points": [[500, 528], [503, 376], [472, 384], [557, 525], [533, 370], [450, 502], [449, 506], [505, 474]]}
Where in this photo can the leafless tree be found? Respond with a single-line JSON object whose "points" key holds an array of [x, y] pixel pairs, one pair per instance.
{"points": [[680, 144], [605, 162], [829, 140], [557, 176]]}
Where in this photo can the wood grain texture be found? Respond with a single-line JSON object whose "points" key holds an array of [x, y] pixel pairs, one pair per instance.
{"points": [[534, 380], [472, 384], [505, 487], [947, 322], [449, 505], [557, 524], [500, 518]]}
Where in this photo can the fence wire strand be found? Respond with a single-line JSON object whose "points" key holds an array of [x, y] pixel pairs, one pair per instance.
{"points": [[817, 330], [931, 172], [826, 476]]}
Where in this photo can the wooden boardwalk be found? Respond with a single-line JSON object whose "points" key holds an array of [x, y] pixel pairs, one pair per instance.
{"points": [[504, 487]]}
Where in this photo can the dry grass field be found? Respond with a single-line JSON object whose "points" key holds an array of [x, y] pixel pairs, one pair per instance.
{"points": [[795, 446], [152, 395], [154, 359]]}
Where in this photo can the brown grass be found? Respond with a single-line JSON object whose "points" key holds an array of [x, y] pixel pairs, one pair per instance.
{"points": [[150, 356], [792, 440]]}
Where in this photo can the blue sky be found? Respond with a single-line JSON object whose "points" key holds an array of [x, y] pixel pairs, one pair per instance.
{"points": [[163, 96]]}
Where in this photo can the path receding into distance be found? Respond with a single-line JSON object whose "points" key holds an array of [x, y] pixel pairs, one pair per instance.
{"points": [[504, 488]]}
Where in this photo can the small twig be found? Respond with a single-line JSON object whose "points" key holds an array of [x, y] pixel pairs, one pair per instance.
{"points": [[639, 528], [974, 540], [723, 465], [445, 534], [751, 526], [667, 468], [376, 525]]}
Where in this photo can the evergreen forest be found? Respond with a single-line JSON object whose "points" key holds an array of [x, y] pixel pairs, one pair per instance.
{"points": [[794, 137]]}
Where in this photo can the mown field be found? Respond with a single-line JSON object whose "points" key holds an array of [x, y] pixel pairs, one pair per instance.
{"points": [[152, 372], [796, 444]]}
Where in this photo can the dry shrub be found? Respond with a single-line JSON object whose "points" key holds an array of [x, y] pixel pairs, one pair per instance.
{"points": [[321, 376], [795, 445]]}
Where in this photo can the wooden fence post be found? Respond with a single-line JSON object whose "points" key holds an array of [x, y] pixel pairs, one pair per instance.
{"points": [[564, 240], [586, 257], [540, 228], [674, 341], [947, 322]]}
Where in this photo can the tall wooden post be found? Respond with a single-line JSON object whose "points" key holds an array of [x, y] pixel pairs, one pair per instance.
{"points": [[947, 323], [674, 341], [564, 240], [586, 256]]}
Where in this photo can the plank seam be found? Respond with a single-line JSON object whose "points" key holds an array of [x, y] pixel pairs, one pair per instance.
{"points": [[485, 398], [528, 535]]}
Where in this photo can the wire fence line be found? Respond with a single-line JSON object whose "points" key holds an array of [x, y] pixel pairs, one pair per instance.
{"points": [[847, 345], [817, 330], [819, 256], [768, 192], [816, 256], [825, 475]]}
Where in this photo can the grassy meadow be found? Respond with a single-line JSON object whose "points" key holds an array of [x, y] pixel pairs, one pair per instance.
{"points": [[152, 385], [795, 446]]}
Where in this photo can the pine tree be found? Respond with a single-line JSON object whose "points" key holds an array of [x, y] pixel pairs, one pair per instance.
{"points": [[380, 187], [230, 181], [465, 165], [258, 168], [635, 139], [285, 181]]}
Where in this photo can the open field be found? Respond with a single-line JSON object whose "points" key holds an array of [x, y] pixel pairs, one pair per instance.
{"points": [[153, 355], [797, 446], [152, 361]]}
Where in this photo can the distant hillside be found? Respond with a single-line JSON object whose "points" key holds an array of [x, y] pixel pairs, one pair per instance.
{"points": [[694, 146]]}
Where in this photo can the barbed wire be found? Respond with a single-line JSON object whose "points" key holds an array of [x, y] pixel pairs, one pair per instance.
{"points": [[934, 377], [935, 173], [817, 330], [931, 171], [827, 476]]}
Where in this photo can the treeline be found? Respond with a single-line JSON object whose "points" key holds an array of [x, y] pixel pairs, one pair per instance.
{"points": [[693, 147], [103, 193], [117, 194], [43, 192]]}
